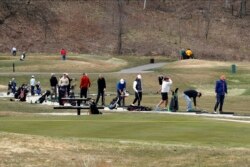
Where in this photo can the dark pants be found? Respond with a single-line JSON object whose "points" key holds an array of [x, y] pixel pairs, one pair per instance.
{"points": [[84, 92], [219, 101], [63, 57], [100, 93], [62, 93], [121, 98], [32, 90], [138, 97]]}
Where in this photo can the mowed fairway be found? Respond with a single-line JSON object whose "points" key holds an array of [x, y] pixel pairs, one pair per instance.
{"points": [[143, 127], [29, 138], [125, 139]]}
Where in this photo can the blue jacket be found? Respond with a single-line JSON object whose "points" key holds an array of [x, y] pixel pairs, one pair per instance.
{"points": [[221, 87], [120, 86]]}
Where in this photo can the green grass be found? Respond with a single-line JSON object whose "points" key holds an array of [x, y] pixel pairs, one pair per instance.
{"points": [[134, 127], [124, 139]]}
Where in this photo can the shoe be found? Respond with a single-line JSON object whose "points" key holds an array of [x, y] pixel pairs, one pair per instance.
{"points": [[214, 112], [132, 105], [157, 108], [166, 109]]}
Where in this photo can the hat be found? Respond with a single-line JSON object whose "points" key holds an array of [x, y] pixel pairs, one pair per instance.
{"points": [[32, 76], [122, 81], [139, 76]]}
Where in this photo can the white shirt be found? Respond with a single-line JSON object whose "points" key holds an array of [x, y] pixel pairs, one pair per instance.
{"points": [[134, 86], [32, 82], [64, 81], [165, 87], [13, 49]]}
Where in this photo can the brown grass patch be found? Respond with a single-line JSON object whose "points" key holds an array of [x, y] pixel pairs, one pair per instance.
{"points": [[3, 87], [28, 150], [196, 63], [49, 64]]}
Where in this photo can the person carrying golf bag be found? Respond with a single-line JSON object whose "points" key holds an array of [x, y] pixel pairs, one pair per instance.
{"points": [[137, 86]]}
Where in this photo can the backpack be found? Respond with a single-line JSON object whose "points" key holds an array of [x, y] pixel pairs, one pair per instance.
{"points": [[94, 109]]}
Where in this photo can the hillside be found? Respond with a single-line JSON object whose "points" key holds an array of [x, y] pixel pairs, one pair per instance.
{"points": [[211, 29]]}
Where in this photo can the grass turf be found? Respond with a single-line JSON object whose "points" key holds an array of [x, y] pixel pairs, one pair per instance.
{"points": [[142, 127]]}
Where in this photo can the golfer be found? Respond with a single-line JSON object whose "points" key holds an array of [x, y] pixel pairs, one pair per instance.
{"points": [[137, 86], [188, 96], [165, 88]]}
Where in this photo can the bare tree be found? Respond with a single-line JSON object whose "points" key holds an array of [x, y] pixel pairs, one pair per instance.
{"points": [[120, 26], [227, 3], [207, 17], [243, 6], [144, 4]]}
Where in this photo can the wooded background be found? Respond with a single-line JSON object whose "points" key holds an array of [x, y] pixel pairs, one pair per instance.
{"points": [[213, 29]]}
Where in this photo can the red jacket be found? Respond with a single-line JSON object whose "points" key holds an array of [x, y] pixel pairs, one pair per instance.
{"points": [[63, 52], [85, 82]]}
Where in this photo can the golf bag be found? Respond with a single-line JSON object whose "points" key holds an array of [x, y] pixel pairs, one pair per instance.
{"points": [[43, 97], [93, 108], [21, 93], [114, 103], [138, 108], [174, 104]]}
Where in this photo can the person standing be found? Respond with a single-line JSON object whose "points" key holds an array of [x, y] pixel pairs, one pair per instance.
{"points": [[38, 88], [101, 84], [165, 88], [220, 90], [63, 83], [13, 51], [121, 91], [32, 85], [53, 85], [84, 85], [188, 94], [13, 85], [69, 85], [137, 86], [63, 53]]}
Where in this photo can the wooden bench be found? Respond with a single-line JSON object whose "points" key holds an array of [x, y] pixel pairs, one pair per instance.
{"points": [[78, 106]]}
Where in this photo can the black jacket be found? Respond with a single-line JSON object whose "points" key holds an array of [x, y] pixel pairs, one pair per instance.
{"points": [[53, 81], [101, 84], [192, 94]]}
